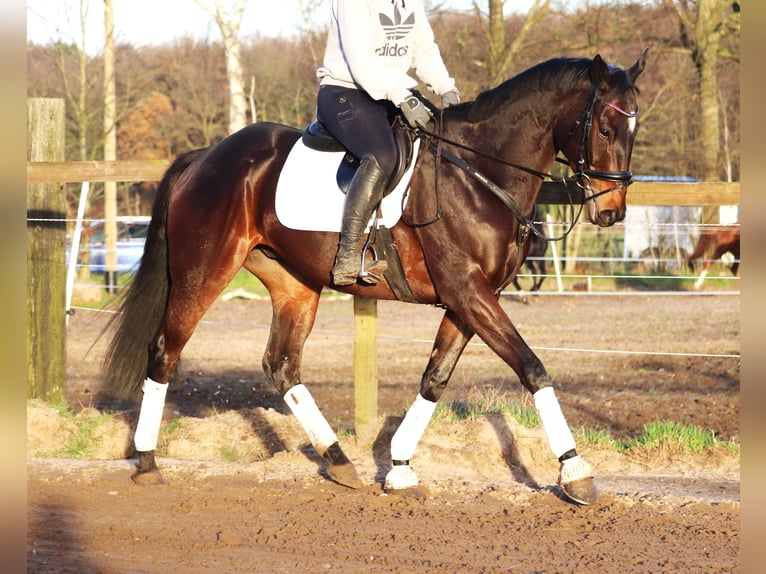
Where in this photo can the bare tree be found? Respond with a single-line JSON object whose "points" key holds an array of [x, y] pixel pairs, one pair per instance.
{"points": [[703, 24], [229, 24], [502, 52], [308, 29]]}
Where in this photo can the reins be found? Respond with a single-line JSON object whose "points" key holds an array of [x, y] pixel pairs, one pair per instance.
{"points": [[526, 226], [434, 142]]}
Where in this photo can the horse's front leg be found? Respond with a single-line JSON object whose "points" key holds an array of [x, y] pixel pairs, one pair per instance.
{"points": [[451, 339], [493, 325], [481, 312]]}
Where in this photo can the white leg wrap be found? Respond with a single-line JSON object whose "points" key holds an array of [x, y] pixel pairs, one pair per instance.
{"points": [[555, 425], [407, 436], [150, 415], [302, 405], [701, 279]]}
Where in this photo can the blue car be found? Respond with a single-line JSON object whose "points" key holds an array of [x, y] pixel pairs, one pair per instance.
{"points": [[131, 237]]}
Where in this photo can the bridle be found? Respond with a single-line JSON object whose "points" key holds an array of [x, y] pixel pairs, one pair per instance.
{"points": [[582, 175]]}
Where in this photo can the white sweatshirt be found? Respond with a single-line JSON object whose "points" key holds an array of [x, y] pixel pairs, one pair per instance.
{"points": [[373, 44]]}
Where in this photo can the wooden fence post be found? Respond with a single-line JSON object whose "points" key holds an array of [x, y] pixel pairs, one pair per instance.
{"points": [[365, 369], [46, 257]]}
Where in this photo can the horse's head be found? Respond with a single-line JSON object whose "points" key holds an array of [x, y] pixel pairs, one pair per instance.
{"points": [[598, 143]]}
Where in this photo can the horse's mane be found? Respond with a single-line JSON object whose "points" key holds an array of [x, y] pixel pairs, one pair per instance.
{"points": [[560, 73]]}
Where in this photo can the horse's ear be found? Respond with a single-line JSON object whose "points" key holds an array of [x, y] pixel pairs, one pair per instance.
{"points": [[638, 67], [599, 73]]}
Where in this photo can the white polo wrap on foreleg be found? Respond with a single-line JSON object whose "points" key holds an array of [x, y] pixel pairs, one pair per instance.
{"points": [[305, 409], [407, 436], [150, 415], [555, 425]]}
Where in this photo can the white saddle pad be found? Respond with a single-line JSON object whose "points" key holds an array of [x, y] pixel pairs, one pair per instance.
{"points": [[308, 197]]}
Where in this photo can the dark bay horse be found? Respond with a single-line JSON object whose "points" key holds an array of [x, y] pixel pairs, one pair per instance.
{"points": [[714, 243], [458, 242]]}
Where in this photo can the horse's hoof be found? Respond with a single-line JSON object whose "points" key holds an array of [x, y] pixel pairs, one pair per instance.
{"points": [[341, 469], [346, 475], [151, 477], [419, 492], [583, 491]]}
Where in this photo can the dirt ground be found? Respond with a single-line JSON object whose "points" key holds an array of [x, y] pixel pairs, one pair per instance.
{"points": [[244, 492]]}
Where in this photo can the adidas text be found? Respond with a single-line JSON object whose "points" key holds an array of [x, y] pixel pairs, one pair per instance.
{"points": [[392, 50]]}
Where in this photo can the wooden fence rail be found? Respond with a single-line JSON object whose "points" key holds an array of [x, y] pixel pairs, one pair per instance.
{"points": [[640, 193]]}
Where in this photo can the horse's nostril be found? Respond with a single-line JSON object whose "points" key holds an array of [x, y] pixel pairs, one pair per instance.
{"points": [[608, 217]]}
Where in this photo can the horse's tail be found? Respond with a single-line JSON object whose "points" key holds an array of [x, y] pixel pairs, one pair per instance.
{"points": [[141, 306]]}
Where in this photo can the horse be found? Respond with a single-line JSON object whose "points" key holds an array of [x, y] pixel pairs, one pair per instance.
{"points": [[459, 244], [533, 260], [716, 241]]}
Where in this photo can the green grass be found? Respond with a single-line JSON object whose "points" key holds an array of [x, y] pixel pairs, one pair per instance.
{"points": [[486, 400], [670, 436], [84, 438], [657, 437], [242, 280], [594, 439], [664, 436], [246, 280], [229, 454]]}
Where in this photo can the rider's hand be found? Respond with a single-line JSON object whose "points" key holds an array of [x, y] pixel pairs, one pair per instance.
{"points": [[450, 98], [416, 114]]}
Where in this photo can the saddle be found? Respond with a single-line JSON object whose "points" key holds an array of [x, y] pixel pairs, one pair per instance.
{"points": [[316, 137]]}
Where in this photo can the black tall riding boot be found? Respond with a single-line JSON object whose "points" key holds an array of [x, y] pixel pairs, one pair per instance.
{"points": [[365, 192]]}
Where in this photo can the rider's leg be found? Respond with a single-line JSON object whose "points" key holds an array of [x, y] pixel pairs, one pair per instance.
{"points": [[365, 192], [363, 126]]}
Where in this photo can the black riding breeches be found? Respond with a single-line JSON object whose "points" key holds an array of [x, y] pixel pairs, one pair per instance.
{"points": [[361, 124]]}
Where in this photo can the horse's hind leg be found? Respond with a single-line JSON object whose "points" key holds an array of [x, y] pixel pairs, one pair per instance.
{"points": [[451, 339], [187, 303], [294, 303]]}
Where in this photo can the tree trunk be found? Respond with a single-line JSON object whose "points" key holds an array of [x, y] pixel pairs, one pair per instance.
{"points": [[707, 49], [501, 52], [496, 37], [110, 151], [229, 25], [238, 99]]}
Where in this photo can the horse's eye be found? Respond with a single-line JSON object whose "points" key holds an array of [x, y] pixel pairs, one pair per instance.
{"points": [[604, 133]]}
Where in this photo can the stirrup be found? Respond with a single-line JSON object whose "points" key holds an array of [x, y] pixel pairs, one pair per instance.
{"points": [[371, 274]]}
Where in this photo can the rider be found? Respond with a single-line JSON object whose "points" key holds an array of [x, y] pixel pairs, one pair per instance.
{"points": [[371, 46]]}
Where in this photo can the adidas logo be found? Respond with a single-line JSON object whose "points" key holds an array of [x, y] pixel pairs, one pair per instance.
{"points": [[395, 30]]}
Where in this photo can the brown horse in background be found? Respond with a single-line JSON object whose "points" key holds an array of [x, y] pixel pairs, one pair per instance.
{"points": [[467, 214], [713, 243]]}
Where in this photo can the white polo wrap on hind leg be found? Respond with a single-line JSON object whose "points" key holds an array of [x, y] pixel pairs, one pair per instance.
{"points": [[302, 405], [407, 436], [555, 425], [150, 415]]}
